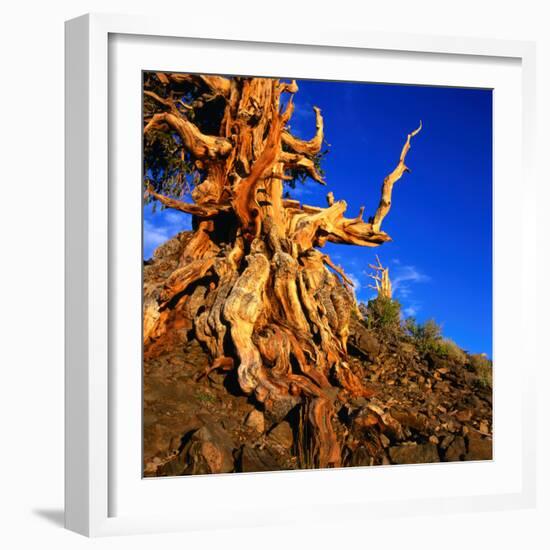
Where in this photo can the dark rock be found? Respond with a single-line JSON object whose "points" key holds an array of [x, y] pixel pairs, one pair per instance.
{"points": [[479, 449], [442, 387], [447, 440], [361, 457], [259, 460], [464, 415], [414, 454], [359, 402], [282, 435], [276, 411], [411, 419], [363, 340], [209, 451], [456, 450]]}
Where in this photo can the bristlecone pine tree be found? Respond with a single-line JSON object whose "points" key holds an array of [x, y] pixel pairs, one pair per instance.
{"points": [[252, 282], [381, 278]]}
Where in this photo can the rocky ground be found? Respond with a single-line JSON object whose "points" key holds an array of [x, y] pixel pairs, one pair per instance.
{"points": [[423, 409]]}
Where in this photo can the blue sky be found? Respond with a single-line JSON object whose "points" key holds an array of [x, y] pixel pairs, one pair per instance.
{"points": [[440, 258]]}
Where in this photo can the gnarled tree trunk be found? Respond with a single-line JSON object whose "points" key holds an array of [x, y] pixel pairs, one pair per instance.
{"points": [[252, 284]]}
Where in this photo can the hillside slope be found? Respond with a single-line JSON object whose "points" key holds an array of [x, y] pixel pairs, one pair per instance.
{"points": [[424, 405]]}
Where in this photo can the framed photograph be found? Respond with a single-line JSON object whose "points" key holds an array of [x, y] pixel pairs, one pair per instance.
{"points": [[290, 293]]}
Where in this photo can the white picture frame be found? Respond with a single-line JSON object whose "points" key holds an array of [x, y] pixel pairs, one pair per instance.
{"points": [[93, 421]]}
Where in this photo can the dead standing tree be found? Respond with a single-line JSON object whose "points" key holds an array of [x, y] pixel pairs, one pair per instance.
{"points": [[381, 278], [251, 281]]}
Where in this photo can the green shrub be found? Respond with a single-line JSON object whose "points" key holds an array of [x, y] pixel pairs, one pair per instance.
{"points": [[450, 350], [383, 314], [426, 337], [483, 367]]}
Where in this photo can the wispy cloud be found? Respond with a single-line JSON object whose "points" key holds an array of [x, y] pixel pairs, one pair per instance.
{"points": [[175, 219], [356, 282], [301, 190], [404, 276], [152, 236], [410, 311]]}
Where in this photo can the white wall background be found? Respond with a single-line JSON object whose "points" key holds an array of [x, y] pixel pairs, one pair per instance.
{"points": [[31, 272]]}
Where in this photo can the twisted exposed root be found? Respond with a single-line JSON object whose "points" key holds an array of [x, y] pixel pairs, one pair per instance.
{"points": [[287, 324], [241, 310]]}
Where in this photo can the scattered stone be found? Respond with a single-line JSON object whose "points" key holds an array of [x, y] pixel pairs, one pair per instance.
{"points": [[465, 415], [447, 440], [361, 457], [453, 426], [364, 340], [279, 409], [259, 460], [414, 454], [410, 419], [282, 435], [456, 450], [484, 427], [209, 451], [255, 420], [479, 449], [359, 402]]}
